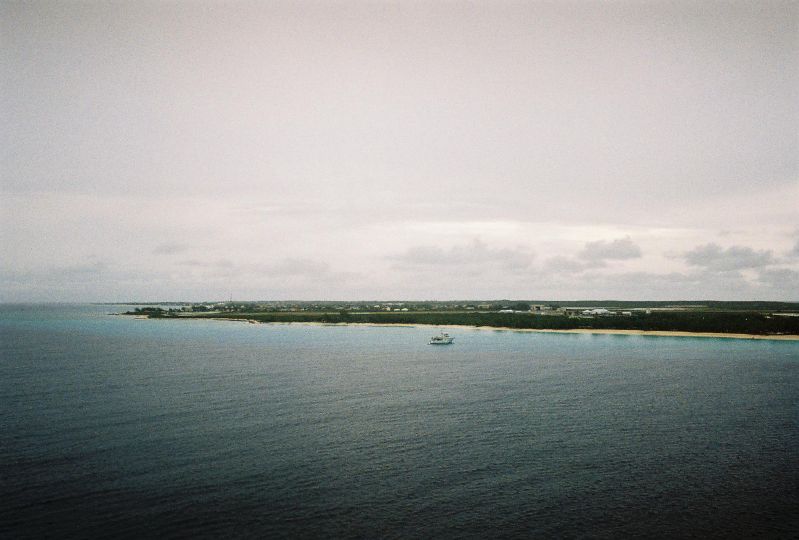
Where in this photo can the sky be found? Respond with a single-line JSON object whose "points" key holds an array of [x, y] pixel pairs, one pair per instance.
{"points": [[338, 150]]}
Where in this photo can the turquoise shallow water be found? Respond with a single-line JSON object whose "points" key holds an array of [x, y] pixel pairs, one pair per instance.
{"points": [[131, 428]]}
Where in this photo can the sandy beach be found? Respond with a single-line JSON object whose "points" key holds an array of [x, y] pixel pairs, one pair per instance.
{"points": [[663, 333]]}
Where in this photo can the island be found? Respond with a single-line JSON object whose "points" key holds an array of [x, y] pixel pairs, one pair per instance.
{"points": [[759, 320]]}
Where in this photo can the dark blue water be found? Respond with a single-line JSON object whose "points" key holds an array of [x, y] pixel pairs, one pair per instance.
{"points": [[119, 427]]}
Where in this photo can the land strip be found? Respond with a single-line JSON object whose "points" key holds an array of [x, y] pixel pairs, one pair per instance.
{"points": [[691, 322]]}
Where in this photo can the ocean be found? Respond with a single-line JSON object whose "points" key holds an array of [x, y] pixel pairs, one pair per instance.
{"points": [[116, 427]]}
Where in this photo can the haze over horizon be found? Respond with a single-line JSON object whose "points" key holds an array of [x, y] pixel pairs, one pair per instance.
{"points": [[376, 150]]}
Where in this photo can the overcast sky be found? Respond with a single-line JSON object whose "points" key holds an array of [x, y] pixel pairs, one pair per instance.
{"points": [[354, 150]]}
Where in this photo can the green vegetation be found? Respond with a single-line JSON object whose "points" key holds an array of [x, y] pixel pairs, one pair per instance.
{"points": [[684, 321], [765, 318]]}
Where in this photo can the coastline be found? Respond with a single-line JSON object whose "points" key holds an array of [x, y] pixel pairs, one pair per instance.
{"points": [[654, 333]]}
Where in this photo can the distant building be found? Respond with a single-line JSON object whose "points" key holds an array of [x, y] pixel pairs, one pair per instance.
{"points": [[599, 311]]}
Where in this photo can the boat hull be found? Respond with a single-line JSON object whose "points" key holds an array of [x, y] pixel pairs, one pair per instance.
{"points": [[442, 339]]}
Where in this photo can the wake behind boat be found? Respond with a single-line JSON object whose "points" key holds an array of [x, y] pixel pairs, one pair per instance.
{"points": [[442, 339]]}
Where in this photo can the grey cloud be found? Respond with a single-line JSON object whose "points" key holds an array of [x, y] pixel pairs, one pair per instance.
{"points": [[56, 274], [72, 282], [780, 278], [619, 249], [714, 257], [281, 268], [680, 126], [565, 264], [699, 285], [82, 270], [474, 253], [170, 249], [594, 255], [296, 267], [200, 263]]}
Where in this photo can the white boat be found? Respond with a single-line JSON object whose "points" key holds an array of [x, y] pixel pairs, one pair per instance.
{"points": [[442, 339]]}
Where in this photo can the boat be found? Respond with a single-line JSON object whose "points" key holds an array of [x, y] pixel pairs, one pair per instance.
{"points": [[442, 339]]}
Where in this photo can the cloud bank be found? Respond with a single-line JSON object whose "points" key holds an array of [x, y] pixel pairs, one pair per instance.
{"points": [[373, 150], [715, 258]]}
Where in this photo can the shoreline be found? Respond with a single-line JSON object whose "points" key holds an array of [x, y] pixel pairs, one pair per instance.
{"points": [[603, 331]]}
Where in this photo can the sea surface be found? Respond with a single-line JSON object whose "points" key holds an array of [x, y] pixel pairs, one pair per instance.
{"points": [[116, 427]]}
